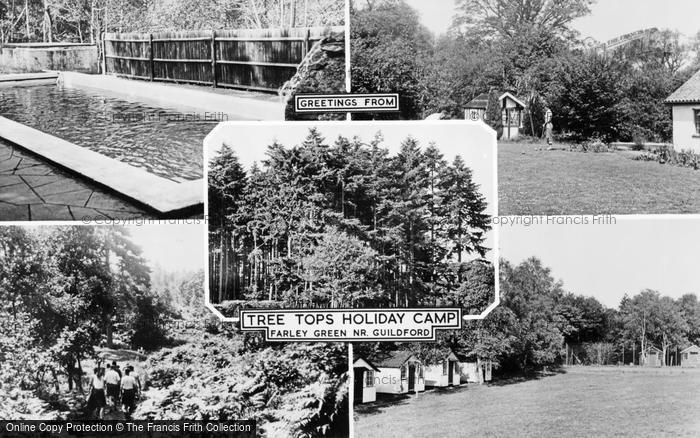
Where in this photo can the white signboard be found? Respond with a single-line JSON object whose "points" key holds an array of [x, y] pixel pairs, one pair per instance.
{"points": [[347, 325]]}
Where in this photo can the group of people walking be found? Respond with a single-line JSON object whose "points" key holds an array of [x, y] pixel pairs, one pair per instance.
{"points": [[110, 387]]}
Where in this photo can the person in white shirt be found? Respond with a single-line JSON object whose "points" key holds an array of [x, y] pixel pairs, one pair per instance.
{"points": [[96, 399], [112, 380], [130, 387]]}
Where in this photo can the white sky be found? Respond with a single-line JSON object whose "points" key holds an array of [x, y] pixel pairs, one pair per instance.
{"points": [[607, 261], [608, 18], [471, 140], [436, 15], [174, 246]]}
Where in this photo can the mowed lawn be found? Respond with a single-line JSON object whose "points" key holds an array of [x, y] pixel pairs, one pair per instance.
{"points": [[559, 182], [582, 402]]}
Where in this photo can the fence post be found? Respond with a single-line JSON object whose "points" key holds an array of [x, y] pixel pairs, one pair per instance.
{"points": [[213, 58], [104, 53], [150, 55], [307, 36]]}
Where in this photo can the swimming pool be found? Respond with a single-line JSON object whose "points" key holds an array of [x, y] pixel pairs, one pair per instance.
{"points": [[165, 142]]}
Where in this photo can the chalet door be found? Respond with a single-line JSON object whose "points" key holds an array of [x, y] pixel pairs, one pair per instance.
{"points": [[359, 384], [411, 377], [450, 373], [508, 116]]}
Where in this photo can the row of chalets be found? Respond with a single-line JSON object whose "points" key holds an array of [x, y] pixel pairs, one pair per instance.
{"points": [[689, 357], [402, 372]]}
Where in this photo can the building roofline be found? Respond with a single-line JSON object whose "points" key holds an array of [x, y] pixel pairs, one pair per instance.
{"points": [[692, 347], [367, 361]]}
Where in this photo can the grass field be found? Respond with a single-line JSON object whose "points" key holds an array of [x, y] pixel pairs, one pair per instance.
{"points": [[582, 402], [559, 182]]}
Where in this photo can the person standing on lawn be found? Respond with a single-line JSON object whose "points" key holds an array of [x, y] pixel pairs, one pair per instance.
{"points": [[548, 132], [548, 128], [130, 389], [112, 380]]}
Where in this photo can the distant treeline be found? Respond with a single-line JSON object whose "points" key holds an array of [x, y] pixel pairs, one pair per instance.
{"points": [[538, 324], [345, 224]]}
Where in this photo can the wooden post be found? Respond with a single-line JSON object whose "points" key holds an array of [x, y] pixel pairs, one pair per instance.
{"points": [[150, 56], [104, 54], [305, 49], [213, 59]]}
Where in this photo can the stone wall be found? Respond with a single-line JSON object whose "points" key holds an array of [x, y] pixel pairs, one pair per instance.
{"points": [[321, 71], [46, 56]]}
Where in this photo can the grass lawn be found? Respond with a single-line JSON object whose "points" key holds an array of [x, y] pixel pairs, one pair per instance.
{"points": [[582, 402], [560, 182]]}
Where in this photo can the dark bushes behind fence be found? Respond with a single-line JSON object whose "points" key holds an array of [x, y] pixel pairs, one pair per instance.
{"points": [[255, 59]]}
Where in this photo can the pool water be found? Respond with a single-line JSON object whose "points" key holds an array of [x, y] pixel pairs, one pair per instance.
{"points": [[162, 141]]}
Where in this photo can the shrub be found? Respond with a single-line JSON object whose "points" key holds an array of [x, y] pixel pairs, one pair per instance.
{"points": [[300, 389], [494, 115], [638, 139], [595, 145], [669, 155]]}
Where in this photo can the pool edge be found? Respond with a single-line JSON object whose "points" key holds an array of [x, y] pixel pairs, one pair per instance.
{"points": [[249, 108], [161, 195]]}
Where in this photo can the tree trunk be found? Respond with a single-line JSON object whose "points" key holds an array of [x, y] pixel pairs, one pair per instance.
{"points": [[48, 23], [306, 12], [292, 13], [26, 19], [92, 22], [221, 267], [110, 332]]}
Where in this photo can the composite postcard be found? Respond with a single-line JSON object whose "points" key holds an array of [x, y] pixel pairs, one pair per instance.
{"points": [[349, 218]]}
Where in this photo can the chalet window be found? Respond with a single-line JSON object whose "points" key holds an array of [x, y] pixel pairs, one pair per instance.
{"points": [[696, 113], [369, 378], [694, 352], [420, 372], [444, 368], [404, 372]]}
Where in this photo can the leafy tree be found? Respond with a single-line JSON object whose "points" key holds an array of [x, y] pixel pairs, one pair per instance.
{"points": [[227, 185], [653, 319], [341, 271], [388, 43], [589, 103], [534, 116], [508, 19], [494, 112], [690, 311], [467, 222], [530, 292]]}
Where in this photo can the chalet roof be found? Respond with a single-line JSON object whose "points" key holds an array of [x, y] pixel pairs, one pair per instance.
{"points": [[481, 101], [691, 348], [688, 92], [470, 357], [361, 360], [393, 359], [466, 357], [653, 348]]}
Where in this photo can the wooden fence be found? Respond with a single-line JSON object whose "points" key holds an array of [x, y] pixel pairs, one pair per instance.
{"points": [[249, 59]]}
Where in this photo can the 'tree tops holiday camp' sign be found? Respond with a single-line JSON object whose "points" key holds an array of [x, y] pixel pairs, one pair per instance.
{"points": [[336, 325]]}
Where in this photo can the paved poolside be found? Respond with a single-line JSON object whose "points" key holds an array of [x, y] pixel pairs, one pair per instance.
{"points": [[32, 189]]}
